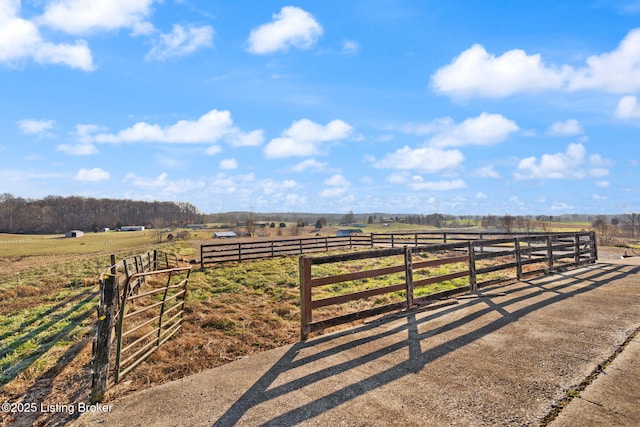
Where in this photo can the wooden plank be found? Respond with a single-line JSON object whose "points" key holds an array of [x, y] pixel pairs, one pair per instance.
{"points": [[329, 280], [356, 295], [438, 279], [441, 261]]}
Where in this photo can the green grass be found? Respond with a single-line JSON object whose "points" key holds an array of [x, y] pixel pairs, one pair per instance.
{"points": [[21, 245]]}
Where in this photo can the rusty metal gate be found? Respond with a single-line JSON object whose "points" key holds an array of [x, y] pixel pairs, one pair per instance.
{"points": [[150, 312]]}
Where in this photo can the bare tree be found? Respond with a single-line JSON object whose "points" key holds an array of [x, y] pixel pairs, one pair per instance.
{"points": [[604, 230], [508, 222], [631, 225]]}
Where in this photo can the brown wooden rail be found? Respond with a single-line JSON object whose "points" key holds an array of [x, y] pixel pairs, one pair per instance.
{"points": [[486, 262]]}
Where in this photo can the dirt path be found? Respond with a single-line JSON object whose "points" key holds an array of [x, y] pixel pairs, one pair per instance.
{"points": [[521, 354]]}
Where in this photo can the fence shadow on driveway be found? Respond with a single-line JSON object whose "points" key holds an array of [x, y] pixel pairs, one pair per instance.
{"points": [[427, 337]]}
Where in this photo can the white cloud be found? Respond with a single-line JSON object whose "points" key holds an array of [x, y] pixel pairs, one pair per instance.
{"points": [[566, 128], [602, 184], [398, 178], [481, 195], [628, 108], [568, 165], [304, 138], [333, 191], [181, 41], [95, 174], [337, 180], [242, 139], [209, 128], [487, 172], [486, 129], [292, 27], [20, 40], [427, 159], [554, 166], [309, 164], [229, 164], [419, 184], [41, 128], [617, 71], [212, 150], [163, 184], [338, 185], [82, 17], [476, 73], [599, 197], [81, 149]]}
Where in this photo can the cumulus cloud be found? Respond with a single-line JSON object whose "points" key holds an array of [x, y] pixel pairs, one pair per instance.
{"points": [[338, 185], [20, 40], [181, 41], [566, 128], [229, 164], [81, 17], [628, 108], [419, 184], [617, 71], [209, 128], [292, 27], [95, 174], [337, 180], [477, 73], [304, 138], [426, 159], [41, 128], [486, 129], [568, 165]]}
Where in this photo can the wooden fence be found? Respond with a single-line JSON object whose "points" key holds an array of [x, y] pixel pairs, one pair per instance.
{"points": [[141, 306], [244, 251], [470, 265]]}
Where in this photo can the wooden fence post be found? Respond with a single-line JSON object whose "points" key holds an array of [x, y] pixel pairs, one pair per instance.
{"points": [[594, 246], [106, 309], [408, 274], [549, 254], [516, 243], [304, 265], [472, 267]]}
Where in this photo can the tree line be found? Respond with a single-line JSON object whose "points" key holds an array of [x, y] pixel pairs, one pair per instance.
{"points": [[56, 214]]}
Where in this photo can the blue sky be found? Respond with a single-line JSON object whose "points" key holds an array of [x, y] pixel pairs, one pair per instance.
{"points": [[459, 107]]}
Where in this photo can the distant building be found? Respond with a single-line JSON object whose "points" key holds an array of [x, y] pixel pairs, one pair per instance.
{"points": [[132, 228], [348, 232], [224, 234], [74, 233], [195, 226]]}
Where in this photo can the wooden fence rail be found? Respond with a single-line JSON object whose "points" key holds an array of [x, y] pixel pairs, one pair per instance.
{"points": [[245, 251], [481, 262], [213, 253]]}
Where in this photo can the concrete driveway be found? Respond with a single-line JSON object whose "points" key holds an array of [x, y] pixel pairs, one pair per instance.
{"points": [[560, 349]]}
